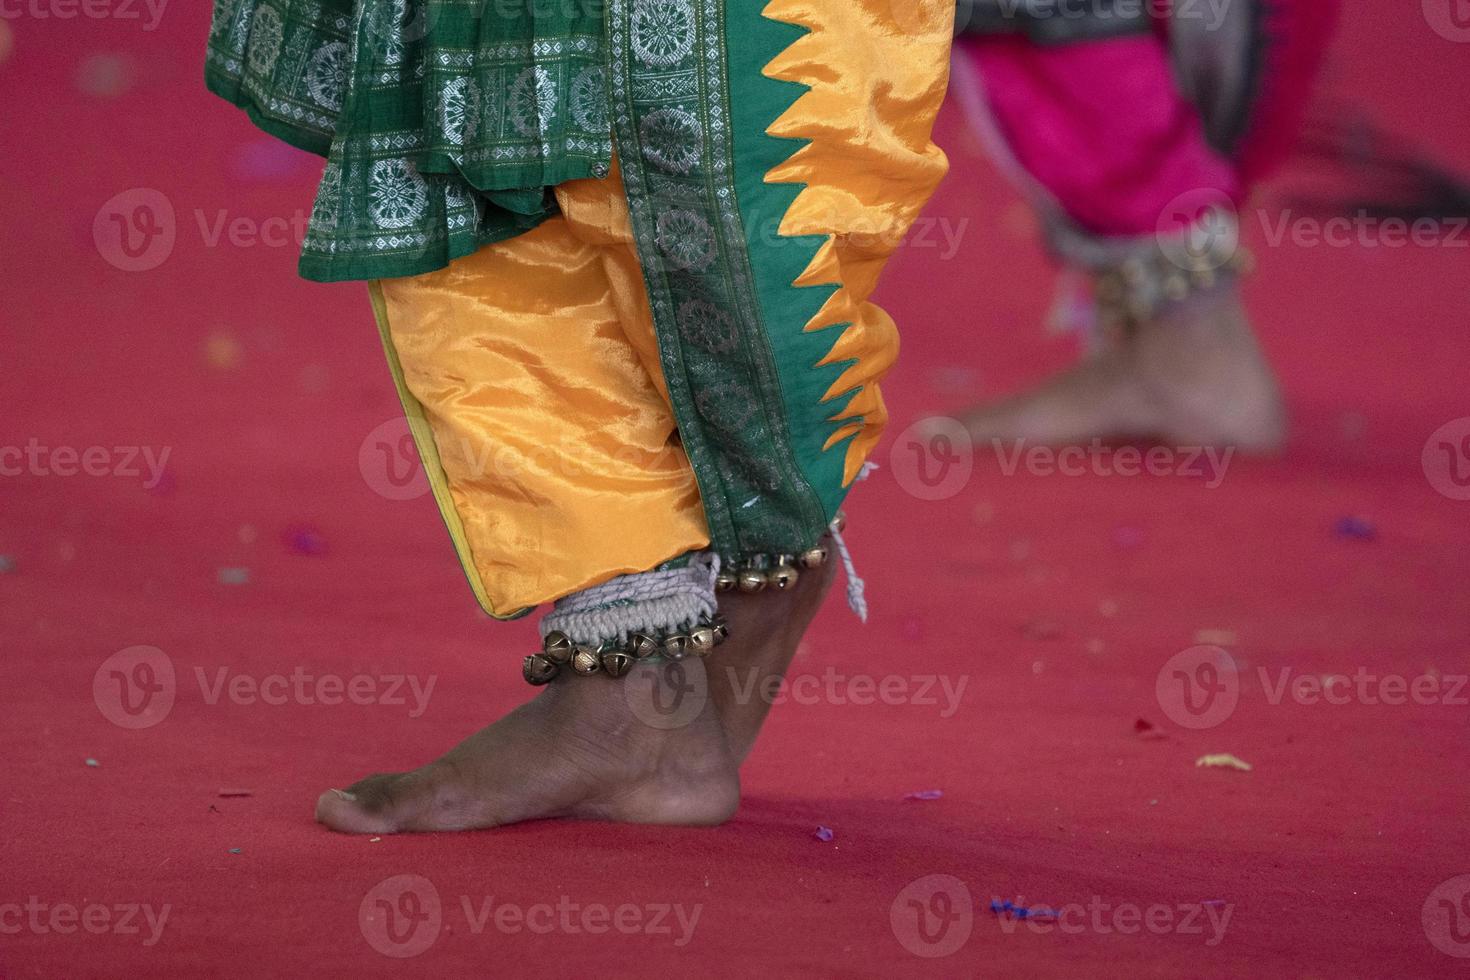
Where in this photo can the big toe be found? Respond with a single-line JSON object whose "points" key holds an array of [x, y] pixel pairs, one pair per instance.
{"points": [[382, 804]]}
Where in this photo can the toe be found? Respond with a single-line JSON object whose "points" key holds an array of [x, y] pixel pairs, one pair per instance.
{"points": [[347, 813]]}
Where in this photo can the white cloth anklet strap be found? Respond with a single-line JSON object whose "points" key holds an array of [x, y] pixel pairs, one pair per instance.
{"points": [[654, 602]]}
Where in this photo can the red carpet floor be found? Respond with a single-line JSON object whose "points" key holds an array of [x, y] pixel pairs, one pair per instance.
{"points": [[1056, 601]]}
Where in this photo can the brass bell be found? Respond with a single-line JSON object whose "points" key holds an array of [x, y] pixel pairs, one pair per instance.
{"points": [[702, 641], [676, 646], [726, 582], [617, 663], [752, 580], [839, 522], [782, 577], [558, 647], [586, 661], [814, 557], [721, 628], [539, 669], [642, 645]]}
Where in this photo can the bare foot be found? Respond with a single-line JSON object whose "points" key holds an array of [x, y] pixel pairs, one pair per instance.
{"points": [[764, 632], [585, 747], [661, 745], [1193, 376]]}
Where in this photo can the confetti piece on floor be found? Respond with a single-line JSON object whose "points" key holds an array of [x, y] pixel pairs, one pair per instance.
{"points": [[1011, 909], [374, 840], [234, 576], [1223, 760], [229, 793], [1356, 528], [1148, 731], [93, 763], [235, 850], [824, 834], [304, 540], [7, 564], [1215, 638], [222, 351], [925, 794]]}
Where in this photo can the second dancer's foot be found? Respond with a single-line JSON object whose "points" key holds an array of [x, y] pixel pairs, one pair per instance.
{"points": [[1192, 376]]}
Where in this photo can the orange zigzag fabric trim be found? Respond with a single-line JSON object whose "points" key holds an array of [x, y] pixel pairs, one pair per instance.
{"points": [[877, 72]]}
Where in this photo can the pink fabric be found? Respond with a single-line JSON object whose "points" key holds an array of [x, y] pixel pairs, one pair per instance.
{"points": [[1100, 130], [1300, 30]]}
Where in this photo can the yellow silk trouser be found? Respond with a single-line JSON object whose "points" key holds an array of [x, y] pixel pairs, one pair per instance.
{"points": [[530, 370]]}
